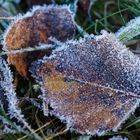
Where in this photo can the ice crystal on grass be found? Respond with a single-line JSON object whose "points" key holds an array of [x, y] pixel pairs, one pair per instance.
{"points": [[118, 138], [90, 6], [131, 30], [34, 103], [36, 27], [86, 6], [92, 84]]}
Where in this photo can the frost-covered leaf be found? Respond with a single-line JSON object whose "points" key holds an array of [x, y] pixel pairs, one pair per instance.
{"points": [[36, 27], [8, 101], [93, 84], [131, 30]]}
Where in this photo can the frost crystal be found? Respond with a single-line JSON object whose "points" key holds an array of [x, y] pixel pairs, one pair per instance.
{"points": [[92, 84], [90, 6], [131, 30], [8, 98], [35, 27], [118, 138]]}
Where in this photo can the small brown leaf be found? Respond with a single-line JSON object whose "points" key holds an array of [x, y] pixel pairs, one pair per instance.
{"points": [[93, 84], [36, 27]]}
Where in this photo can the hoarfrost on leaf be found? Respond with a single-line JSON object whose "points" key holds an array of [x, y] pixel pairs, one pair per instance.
{"points": [[8, 100], [92, 84], [35, 27]]}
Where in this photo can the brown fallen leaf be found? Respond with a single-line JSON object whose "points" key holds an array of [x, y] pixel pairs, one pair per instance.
{"points": [[92, 84], [36, 27]]}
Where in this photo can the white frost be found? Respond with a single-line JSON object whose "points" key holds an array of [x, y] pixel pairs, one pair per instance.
{"points": [[131, 30]]}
